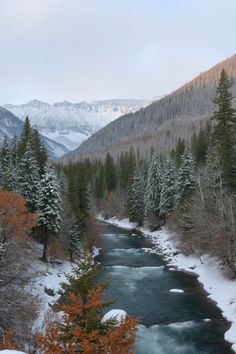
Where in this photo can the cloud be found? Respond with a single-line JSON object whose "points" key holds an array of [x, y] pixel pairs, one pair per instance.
{"points": [[90, 49]]}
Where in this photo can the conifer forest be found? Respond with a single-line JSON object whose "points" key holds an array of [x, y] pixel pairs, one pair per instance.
{"points": [[117, 177]]}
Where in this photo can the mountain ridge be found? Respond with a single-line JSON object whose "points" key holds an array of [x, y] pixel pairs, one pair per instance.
{"points": [[12, 126], [71, 123], [161, 123]]}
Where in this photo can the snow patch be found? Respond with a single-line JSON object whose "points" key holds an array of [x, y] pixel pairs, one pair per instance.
{"points": [[6, 351], [177, 291], [115, 314]]}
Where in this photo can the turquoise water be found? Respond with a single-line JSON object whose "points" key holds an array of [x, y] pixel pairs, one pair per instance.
{"points": [[183, 323]]}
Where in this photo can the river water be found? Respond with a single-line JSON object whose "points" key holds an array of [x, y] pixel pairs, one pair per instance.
{"points": [[170, 323]]}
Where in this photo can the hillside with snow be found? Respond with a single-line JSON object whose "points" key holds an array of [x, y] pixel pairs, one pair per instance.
{"points": [[11, 126], [70, 124]]}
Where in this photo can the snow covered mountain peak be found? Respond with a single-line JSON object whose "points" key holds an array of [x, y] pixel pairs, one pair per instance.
{"points": [[71, 123]]}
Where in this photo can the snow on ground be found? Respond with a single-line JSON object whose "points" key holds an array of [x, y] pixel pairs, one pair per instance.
{"points": [[6, 351], [46, 286], [221, 289], [124, 223]]}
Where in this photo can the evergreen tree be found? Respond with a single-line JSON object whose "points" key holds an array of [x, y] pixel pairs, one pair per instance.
{"points": [[179, 150], [110, 173], [185, 185], [30, 137], [152, 194], [28, 181], [49, 206], [186, 177], [168, 185], [39, 150], [24, 138], [6, 168], [82, 329], [137, 190], [224, 131], [74, 245]]}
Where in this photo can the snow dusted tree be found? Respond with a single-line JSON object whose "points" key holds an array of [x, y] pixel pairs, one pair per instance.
{"points": [[49, 206], [152, 194], [186, 177], [136, 197], [5, 159], [168, 187], [28, 183], [74, 245], [184, 187], [9, 171]]}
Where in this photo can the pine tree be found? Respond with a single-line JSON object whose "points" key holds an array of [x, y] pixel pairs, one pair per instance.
{"points": [[30, 137], [83, 330], [224, 131], [49, 206], [152, 194], [28, 181], [6, 166], [185, 185], [110, 173], [186, 177], [74, 245], [168, 187], [136, 195], [24, 138], [179, 150], [39, 150]]}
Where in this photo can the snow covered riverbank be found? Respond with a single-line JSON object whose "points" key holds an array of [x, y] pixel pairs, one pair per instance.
{"points": [[220, 289]]}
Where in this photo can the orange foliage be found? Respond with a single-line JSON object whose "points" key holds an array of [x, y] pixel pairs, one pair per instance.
{"points": [[8, 341], [15, 221], [80, 335]]}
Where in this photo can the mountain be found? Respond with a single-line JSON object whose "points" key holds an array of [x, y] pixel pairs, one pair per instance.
{"points": [[10, 126], [160, 124], [70, 124]]}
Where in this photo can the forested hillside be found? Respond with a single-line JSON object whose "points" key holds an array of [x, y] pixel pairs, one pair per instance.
{"points": [[161, 124]]}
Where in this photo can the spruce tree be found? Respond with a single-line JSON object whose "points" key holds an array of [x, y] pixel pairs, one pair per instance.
{"points": [[49, 206], [186, 177], [152, 194], [168, 187], [185, 185], [110, 173], [28, 181], [136, 195], [74, 244], [24, 138], [224, 131]]}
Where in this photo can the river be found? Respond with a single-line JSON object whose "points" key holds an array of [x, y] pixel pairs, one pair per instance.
{"points": [[170, 322]]}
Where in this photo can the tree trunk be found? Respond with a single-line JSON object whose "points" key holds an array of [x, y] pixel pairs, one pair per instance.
{"points": [[45, 246]]}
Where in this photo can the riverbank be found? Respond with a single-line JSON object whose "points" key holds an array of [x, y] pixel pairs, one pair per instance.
{"points": [[210, 274]]}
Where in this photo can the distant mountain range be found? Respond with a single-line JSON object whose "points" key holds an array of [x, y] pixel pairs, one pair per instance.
{"points": [[70, 124], [161, 123], [10, 126]]}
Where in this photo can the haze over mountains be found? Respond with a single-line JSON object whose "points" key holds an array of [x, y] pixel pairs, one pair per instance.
{"points": [[161, 123], [69, 124]]}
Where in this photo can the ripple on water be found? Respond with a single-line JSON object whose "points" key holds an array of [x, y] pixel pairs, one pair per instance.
{"points": [[181, 338]]}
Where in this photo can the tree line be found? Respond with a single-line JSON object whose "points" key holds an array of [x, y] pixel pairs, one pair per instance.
{"points": [[193, 187]]}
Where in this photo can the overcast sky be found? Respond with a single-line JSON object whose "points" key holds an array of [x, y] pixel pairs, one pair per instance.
{"points": [[75, 50]]}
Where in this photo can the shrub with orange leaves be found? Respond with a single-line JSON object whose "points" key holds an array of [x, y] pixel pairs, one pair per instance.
{"points": [[77, 335], [81, 330], [15, 220], [8, 341]]}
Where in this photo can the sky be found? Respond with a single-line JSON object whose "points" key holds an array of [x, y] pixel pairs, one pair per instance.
{"points": [[75, 50]]}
